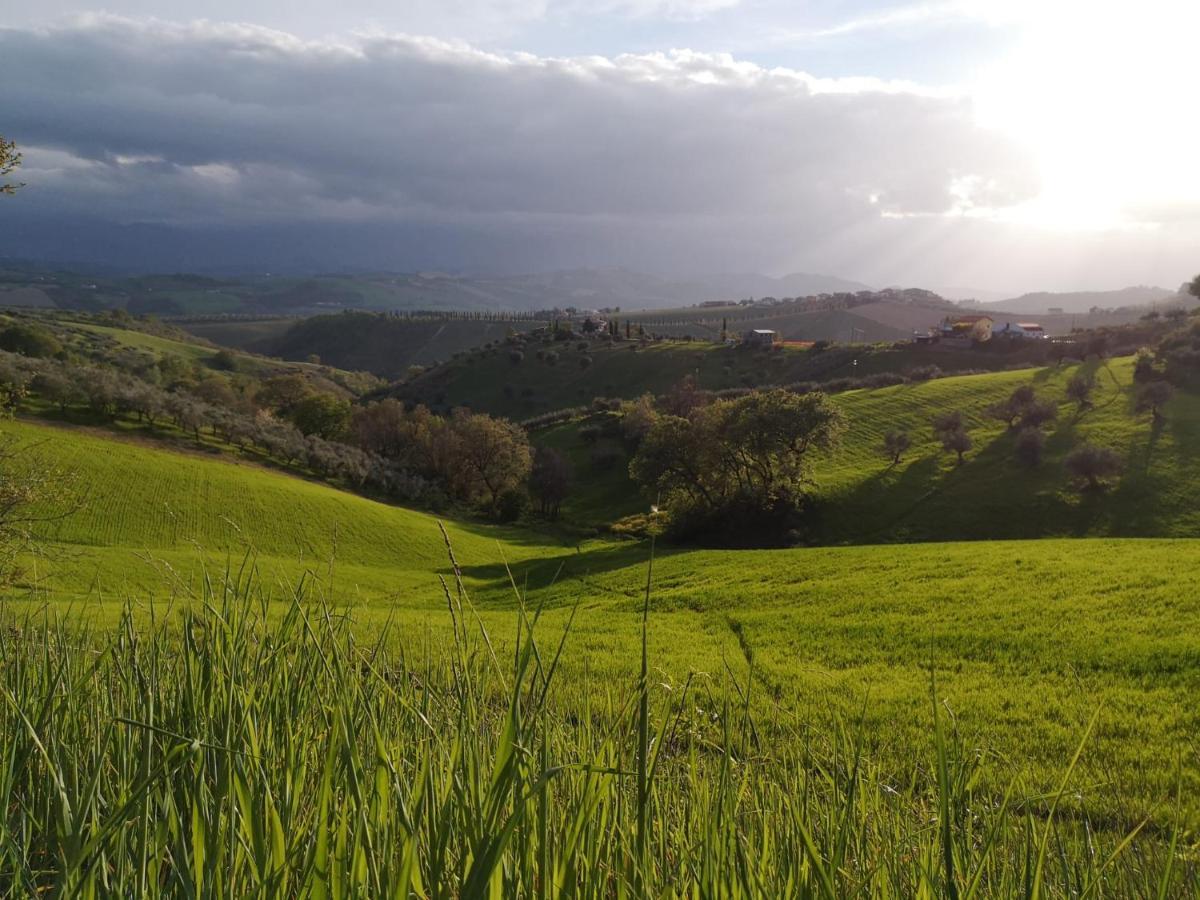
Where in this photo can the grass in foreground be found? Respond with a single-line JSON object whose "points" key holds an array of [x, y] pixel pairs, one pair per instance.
{"points": [[236, 758]]}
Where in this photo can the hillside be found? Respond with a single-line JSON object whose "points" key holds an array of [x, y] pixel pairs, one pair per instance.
{"points": [[1080, 302], [300, 294], [388, 345], [824, 627], [861, 498], [490, 381], [152, 521]]}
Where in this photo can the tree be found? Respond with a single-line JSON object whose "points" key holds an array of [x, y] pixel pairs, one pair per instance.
{"points": [[1144, 368], [55, 387], [958, 442], [750, 455], [895, 444], [322, 415], [493, 456], [382, 428], [684, 397], [1093, 466], [944, 423], [1079, 389], [1153, 397], [1010, 410], [10, 160], [1194, 287], [1029, 445], [30, 340], [550, 480], [283, 393], [1038, 413]]}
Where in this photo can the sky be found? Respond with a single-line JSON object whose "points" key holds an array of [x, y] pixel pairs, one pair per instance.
{"points": [[964, 145]]}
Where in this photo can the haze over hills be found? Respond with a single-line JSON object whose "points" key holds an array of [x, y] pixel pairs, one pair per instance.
{"points": [[1083, 301], [40, 284]]}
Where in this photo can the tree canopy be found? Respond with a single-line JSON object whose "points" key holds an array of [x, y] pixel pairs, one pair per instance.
{"points": [[749, 455]]}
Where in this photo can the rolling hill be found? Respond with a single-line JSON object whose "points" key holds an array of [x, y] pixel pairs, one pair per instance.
{"points": [[1080, 302], [189, 295], [1026, 636]]}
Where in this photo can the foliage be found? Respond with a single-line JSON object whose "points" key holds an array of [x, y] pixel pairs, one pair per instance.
{"points": [[1093, 466], [1152, 397], [895, 443], [550, 480], [322, 415], [10, 161], [30, 340], [1080, 389], [749, 456]]}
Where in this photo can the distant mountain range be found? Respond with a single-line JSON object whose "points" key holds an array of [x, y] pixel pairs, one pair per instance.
{"points": [[33, 284], [1083, 301]]}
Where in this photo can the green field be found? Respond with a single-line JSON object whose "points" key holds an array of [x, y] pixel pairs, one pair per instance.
{"points": [[1031, 636], [1029, 640]]}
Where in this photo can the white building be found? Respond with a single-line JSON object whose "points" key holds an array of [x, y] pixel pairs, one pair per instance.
{"points": [[1023, 330]]}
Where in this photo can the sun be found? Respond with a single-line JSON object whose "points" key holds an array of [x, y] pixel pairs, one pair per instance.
{"points": [[1104, 97]]}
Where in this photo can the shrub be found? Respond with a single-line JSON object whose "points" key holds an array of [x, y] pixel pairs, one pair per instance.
{"points": [[585, 362], [30, 340], [512, 505]]}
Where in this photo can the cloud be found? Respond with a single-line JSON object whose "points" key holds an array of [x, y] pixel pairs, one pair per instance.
{"points": [[680, 156]]}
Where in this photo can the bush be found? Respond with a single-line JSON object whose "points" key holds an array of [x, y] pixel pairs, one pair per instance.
{"points": [[585, 362], [30, 340], [512, 504]]}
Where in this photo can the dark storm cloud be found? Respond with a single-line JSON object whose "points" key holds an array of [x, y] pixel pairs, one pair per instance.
{"points": [[205, 125]]}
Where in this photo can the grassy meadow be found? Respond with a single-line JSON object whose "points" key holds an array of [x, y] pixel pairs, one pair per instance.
{"points": [[280, 688]]}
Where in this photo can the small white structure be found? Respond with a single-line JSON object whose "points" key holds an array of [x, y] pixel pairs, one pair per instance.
{"points": [[1021, 330], [759, 337]]}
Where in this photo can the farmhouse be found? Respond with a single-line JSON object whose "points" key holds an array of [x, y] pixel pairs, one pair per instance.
{"points": [[1019, 330], [759, 337], [966, 328]]}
